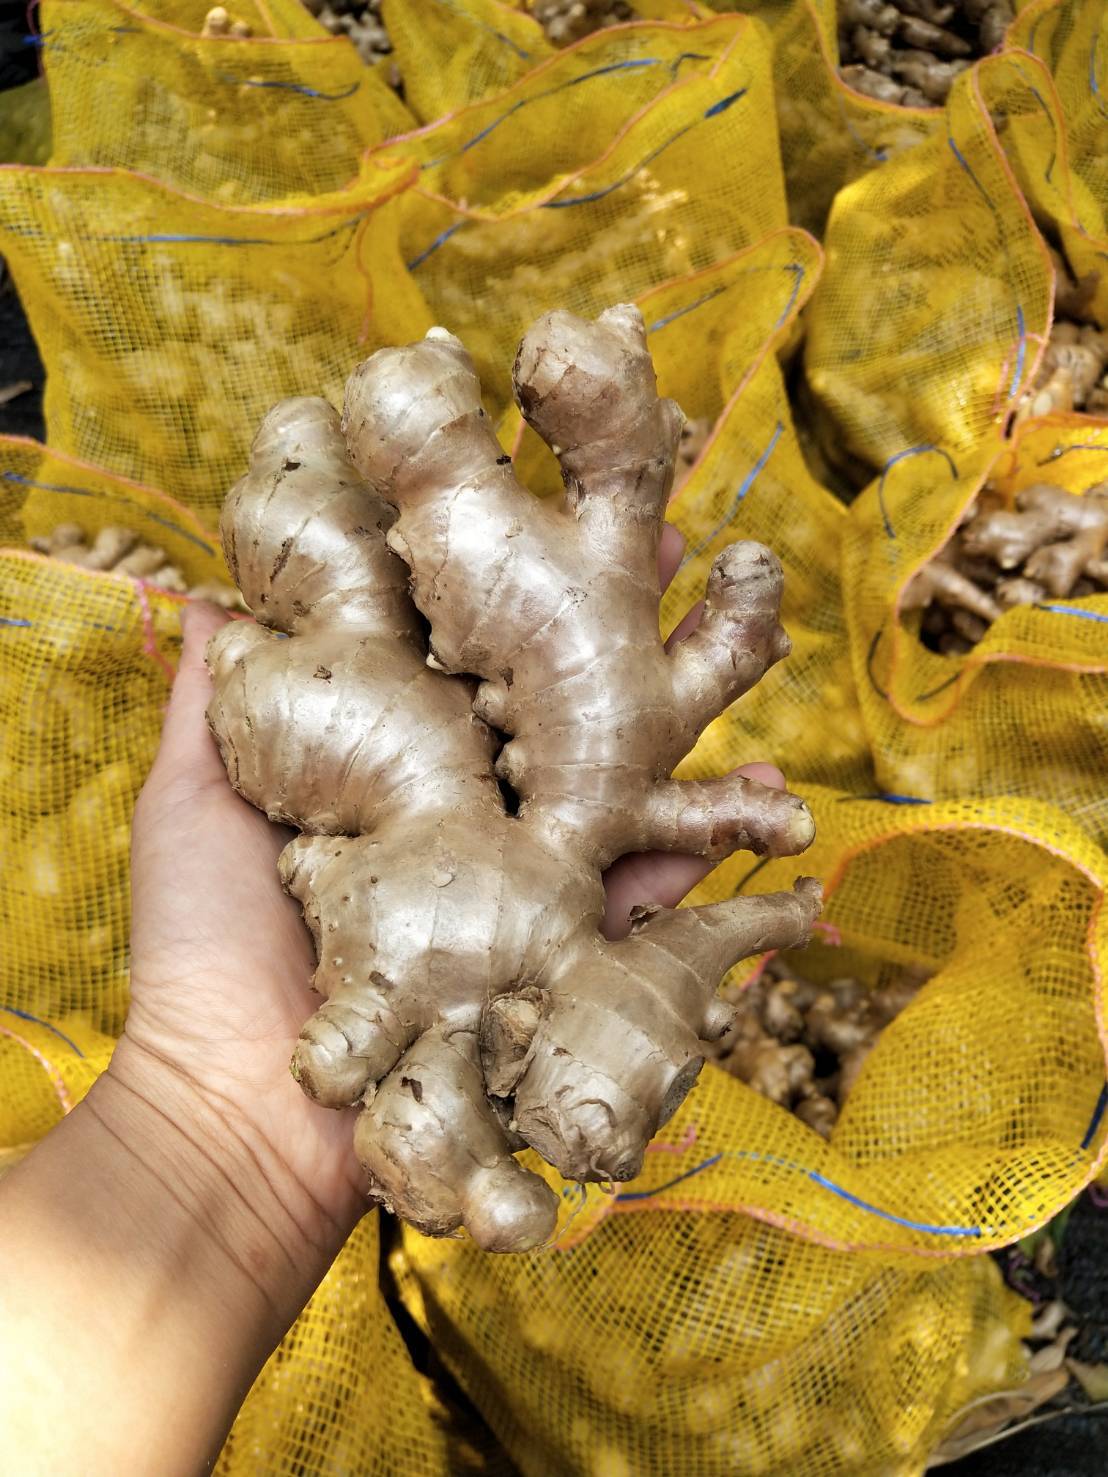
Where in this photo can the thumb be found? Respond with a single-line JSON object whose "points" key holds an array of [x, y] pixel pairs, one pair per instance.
{"points": [[187, 748]]}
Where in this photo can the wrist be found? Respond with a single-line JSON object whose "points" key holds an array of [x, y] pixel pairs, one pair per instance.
{"points": [[152, 1245], [260, 1231]]}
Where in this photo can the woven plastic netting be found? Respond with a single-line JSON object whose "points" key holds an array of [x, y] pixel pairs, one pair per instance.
{"points": [[939, 269]]}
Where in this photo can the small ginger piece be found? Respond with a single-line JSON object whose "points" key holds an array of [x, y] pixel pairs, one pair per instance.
{"points": [[871, 83], [471, 1003], [926, 35], [1018, 591], [852, 1062], [777, 1071], [1051, 543], [875, 15], [783, 1008], [840, 1026], [818, 1112], [1072, 296], [1044, 515], [936, 40], [219, 22], [941, 583], [971, 627], [930, 76], [870, 46]]}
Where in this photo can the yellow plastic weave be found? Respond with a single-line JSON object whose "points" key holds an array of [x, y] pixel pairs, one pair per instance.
{"points": [[981, 1111], [340, 1395], [240, 121], [572, 189], [830, 134], [169, 324], [1071, 39], [451, 55], [85, 662], [705, 1345], [936, 268]]}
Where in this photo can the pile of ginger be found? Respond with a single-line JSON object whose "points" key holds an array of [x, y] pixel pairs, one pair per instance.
{"points": [[801, 1044], [910, 51], [1052, 544], [119, 550]]}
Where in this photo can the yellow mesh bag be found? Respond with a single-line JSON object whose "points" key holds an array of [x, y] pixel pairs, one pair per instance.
{"points": [[981, 1111], [934, 308], [1071, 126], [929, 321], [85, 661], [285, 20], [1023, 712], [46, 1068], [452, 53], [715, 339], [830, 134], [340, 1394], [238, 120], [169, 325], [25, 124], [572, 188], [701, 1344]]}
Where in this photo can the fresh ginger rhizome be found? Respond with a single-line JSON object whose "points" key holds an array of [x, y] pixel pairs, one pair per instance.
{"points": [[472, 1005]]}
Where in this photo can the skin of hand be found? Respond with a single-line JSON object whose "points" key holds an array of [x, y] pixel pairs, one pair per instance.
{"points": [[164, 1236]]}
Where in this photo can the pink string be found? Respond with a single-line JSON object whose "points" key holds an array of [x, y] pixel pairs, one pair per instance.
{"points": [[149, 642], [831, 934], [56, 1080], [687, 1142]]}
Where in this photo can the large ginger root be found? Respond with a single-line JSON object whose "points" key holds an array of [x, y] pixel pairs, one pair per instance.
{"points": [[119, 550], [803, 1045], [1052, 545], [458, 943], [910, 51]]}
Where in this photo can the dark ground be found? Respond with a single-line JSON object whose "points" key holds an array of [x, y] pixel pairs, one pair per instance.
{"points": [[19, 361]]}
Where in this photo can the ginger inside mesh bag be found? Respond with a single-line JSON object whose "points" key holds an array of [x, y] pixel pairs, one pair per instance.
{"points": [[830, 133], [169, 325], [980, 1111], [699, 1342], [237, 119], [925, 340], [603, 173], [85, 664], [1022, 711]]}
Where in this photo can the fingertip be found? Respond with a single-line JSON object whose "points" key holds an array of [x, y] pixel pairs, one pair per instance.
{"points": [[671, 550], [764, 774], [686, 626], [200, 620]]}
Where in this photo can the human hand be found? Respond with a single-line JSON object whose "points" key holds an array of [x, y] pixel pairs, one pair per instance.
{"points": [[222, 963]]}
